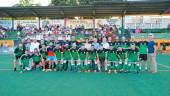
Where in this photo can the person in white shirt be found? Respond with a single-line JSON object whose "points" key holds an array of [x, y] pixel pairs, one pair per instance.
{"points": [[28, 44], [3, 34], [18, 34], [105, 43], [49, 32], [34, 45], [87, 44]]}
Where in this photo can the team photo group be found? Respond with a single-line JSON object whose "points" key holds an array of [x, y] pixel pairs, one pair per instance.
{"points": [[95, 55]]}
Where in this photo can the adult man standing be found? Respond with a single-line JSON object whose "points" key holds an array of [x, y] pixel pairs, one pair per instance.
{"points": [[152, 54]]}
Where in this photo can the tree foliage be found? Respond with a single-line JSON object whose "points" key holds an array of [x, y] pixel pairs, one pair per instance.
{"points": [[71, 2], [25, 3]]}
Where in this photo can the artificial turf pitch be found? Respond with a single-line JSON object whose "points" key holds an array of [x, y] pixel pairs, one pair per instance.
{"points": [[38, 83]]}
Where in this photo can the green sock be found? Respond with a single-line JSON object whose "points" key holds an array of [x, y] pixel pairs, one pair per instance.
{"points": [[21, 67], [61, 66], [72, 67]]}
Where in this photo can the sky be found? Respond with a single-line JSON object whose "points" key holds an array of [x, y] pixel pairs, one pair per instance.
{"points": [[9, 3]]}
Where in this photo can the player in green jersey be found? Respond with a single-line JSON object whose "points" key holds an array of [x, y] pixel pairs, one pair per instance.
{"points": [[101, 55], [92, 60], [122, 58], [59, 55], [132, 41], [36, 59], [124, 43], [112, 59], [25, 62], [43, 53], [74, 58], [66, 58], [18, 52], [133, 59], [143, 50], [83, 58], [116, 43]]}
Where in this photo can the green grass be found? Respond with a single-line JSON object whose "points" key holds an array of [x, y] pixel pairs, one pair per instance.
{"points": [[38, 83]]}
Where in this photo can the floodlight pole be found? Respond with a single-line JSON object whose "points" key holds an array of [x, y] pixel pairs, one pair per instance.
{"points": [[39, 22], [12, 23], [123, 23], [94, 23], [65, 20]]}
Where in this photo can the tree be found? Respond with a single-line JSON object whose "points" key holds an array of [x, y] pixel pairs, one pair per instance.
{"points": [[58, 2], [86, 2], [25, 3], [71, 2]]}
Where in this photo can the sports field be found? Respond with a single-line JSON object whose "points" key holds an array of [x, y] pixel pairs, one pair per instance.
{"points": [[38, 83]]}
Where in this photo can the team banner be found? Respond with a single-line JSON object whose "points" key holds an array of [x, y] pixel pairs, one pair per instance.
{"points": [[72, 23], [110, 22], [28, 23], [147, 22], [165, 22], [6, 23], [45, 22]]}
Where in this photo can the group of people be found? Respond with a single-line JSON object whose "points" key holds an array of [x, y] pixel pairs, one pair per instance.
{"points": [[102, 55], [3, 33]]}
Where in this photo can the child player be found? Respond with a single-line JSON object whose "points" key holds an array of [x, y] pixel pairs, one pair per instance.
{"points": [[25, 62], [101, 59], [133, 59], [83, 57], [74, 55], [92, 60], [112, 59], [43, 53], [124, 43], [36, 59], [142, 44], [59, 54], [122, 58], [67, 58]]}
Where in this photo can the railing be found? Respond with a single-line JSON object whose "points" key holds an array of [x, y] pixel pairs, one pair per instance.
{"points": [[156, 35]]}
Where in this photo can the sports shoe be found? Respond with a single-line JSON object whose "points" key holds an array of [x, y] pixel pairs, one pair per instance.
{"points": [[21, 72], [43, 70], [115, 71], [49, 70], [55, 70], [109, 71]]}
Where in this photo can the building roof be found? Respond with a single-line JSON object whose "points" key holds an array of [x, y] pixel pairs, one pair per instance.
{"points": [[100, 8]]}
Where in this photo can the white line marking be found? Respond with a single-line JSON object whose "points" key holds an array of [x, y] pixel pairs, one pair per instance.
{"points": [[165, 66], [12, 69], [5, 69], [164, 70]]}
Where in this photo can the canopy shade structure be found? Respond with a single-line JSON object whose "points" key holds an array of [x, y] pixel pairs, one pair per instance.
{"points": [[98, 8]]}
